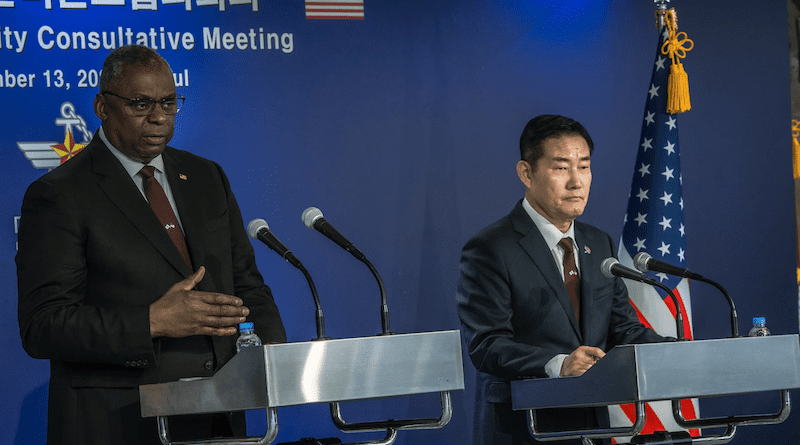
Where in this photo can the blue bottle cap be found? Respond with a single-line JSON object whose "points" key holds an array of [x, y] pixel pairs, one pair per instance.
{"points": [[246, 326], [759, 320]]}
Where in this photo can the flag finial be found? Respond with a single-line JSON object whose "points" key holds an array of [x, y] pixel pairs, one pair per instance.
{"points": [[661, 10]]}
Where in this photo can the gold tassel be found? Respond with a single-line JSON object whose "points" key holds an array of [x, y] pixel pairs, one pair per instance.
{"points": [[678, 100], [796, 148], [796, 164]]}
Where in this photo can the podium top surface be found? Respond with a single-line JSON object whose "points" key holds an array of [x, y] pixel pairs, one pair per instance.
{"points": [[317, 372], [674, 370]]}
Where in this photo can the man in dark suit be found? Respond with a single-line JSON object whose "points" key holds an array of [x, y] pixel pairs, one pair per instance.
{"points": [[525, 311], [116, 297]]}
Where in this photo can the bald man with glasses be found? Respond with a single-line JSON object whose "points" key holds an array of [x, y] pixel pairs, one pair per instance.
{"points": [[134, 267]]}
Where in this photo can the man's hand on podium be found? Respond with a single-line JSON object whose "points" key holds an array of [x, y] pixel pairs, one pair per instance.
{"points": [[580, 360]]}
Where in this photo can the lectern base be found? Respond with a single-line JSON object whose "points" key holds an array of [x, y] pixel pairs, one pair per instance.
{"points": [[677, 438]]}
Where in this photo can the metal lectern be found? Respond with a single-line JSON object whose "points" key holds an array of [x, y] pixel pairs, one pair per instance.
{"points": [[324, 371], [671, 371]]}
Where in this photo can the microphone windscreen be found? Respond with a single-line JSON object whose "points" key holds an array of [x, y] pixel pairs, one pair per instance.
{"points": [[640, 261], [310, 215], [254, 226], [606, 265]]}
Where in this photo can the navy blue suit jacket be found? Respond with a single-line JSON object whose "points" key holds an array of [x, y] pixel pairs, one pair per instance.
{"points": [[516, 314]]}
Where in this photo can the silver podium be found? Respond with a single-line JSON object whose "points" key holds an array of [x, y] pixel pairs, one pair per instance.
{"points": [[325, 371], [637, 374]]}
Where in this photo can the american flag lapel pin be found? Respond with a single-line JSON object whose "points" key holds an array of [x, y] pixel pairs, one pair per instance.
{"points": [[182, 176], [587, 250]]}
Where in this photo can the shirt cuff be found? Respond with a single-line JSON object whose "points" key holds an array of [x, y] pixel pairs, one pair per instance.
{"points": [[553, 367]]}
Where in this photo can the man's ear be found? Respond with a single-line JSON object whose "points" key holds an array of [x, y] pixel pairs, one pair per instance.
{"points": [[524, 171], [100, 106]]}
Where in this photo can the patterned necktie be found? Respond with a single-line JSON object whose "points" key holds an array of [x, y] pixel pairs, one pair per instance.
{"points": [[571, 278], [160, 205]]}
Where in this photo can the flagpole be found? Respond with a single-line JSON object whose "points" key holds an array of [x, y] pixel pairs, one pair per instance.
{"points": [[661, 10], [655, 227]]}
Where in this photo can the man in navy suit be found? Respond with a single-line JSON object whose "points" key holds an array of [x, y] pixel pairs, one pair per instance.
{"points": [[115, 297], [518, 318]]}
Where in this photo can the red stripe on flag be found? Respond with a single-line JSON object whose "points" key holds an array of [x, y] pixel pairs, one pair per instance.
{"points": [[652, 422], [630, 412], [687, 408], [350, 12], [321, 9], [337, 17]]}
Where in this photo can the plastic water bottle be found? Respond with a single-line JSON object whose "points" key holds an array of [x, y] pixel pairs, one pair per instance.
{"points": [[759, 327], [247, 336]]}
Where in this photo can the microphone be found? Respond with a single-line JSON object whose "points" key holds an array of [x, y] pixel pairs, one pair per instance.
{"points": [[611, 268], [644, 262], [259, 230], [312, 218]]}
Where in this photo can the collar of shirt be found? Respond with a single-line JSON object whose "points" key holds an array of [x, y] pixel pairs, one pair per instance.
{"points": [[131, 166], [552, 236], [550, 233]]}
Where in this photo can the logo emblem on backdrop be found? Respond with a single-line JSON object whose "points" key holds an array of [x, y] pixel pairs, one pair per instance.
{"points": [[50, 155]]}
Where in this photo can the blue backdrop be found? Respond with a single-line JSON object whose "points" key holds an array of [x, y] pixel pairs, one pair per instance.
{"points": [[403, 129]]}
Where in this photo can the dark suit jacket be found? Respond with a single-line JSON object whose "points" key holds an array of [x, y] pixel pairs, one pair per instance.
{"points": [[516, 314], [93, 257]]}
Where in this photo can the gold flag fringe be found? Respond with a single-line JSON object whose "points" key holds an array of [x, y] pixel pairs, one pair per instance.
{"points": [[796, 164], [796, 148], [676, 46]]}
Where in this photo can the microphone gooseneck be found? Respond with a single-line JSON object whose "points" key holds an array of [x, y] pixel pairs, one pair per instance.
{"points": [[259, 230], [313, 219], [611, 268], [644, 262]]}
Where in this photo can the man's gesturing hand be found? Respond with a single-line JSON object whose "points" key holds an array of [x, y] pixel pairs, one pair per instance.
{"points": [[580, 360], [182, 312]]}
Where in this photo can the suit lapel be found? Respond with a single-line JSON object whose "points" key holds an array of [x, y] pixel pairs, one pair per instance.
{"points": [[590, 274], [183, 190], [121, 190], [534, 245]]}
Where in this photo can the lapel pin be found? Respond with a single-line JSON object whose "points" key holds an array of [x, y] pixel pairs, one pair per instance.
{"points": [[587, 250], [182, 176]]}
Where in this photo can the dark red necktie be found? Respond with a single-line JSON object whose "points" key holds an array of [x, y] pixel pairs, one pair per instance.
{"points": [[160, 205], [571, 278]]}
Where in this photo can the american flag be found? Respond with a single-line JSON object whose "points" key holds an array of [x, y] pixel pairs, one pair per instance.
{"points": [[335, 9], [654, 224]]}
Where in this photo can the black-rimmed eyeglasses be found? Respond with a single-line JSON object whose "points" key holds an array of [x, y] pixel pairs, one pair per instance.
{"points": [[143, 107]]}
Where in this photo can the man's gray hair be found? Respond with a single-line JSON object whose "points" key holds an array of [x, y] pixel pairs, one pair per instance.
{"points": [[123, 57]]}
